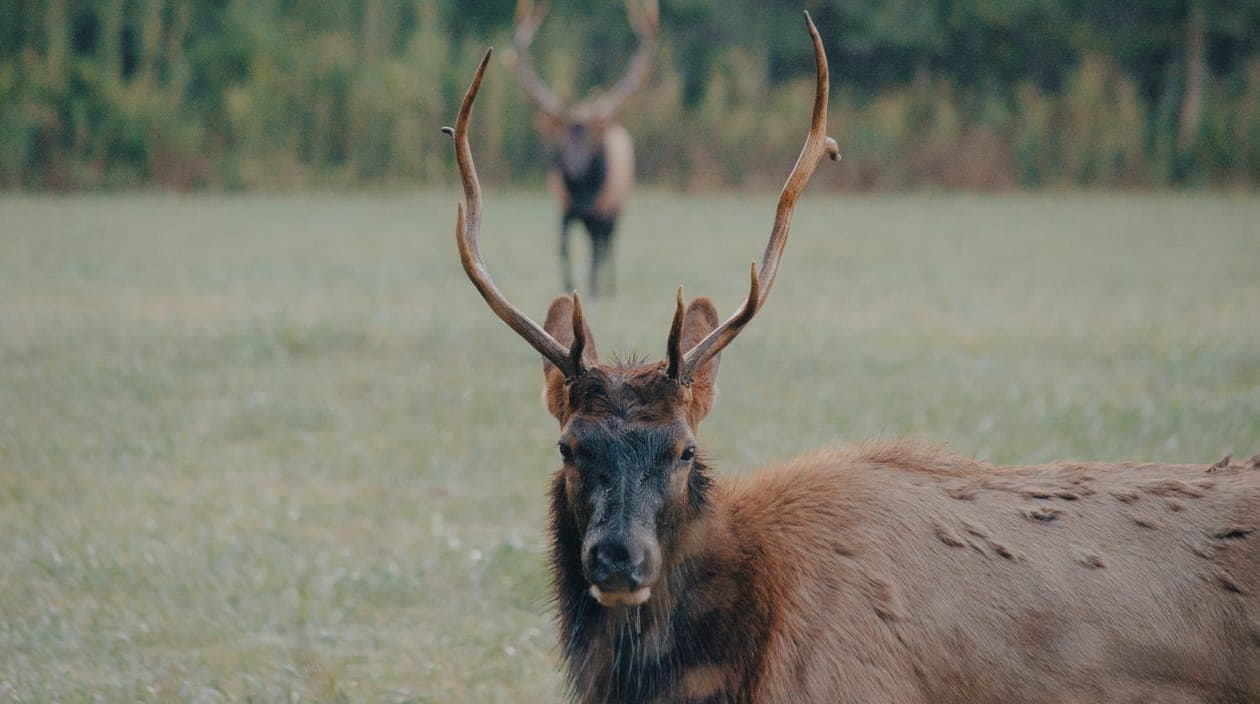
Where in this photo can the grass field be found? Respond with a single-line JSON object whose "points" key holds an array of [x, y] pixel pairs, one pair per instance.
{"points": [[276, 448]]}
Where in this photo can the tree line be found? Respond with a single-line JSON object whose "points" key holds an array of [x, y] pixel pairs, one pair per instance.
{"points": [[240, 94]]}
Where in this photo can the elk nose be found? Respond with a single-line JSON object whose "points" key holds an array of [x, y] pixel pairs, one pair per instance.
{"points": [[618, 566]]}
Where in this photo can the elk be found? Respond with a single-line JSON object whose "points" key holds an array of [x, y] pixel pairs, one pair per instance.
{"points": [[593, 156], [884, 572]]}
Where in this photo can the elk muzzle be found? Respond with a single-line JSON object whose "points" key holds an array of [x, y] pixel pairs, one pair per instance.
{"points": [[621, 569]]}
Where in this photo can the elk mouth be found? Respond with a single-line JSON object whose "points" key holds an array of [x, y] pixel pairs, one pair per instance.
{"points": [[622, 597]]}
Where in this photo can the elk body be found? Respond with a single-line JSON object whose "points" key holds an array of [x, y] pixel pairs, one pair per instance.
{"points": [[593, 156], [886, 572]]}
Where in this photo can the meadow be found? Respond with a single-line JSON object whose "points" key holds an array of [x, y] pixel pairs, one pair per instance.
{"points": [[275, 448]]}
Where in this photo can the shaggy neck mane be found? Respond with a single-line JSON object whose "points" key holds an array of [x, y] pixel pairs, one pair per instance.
{"points": [[676, 642]]}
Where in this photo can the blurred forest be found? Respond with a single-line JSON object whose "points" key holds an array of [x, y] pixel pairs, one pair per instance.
{"points": [[243, 94]]}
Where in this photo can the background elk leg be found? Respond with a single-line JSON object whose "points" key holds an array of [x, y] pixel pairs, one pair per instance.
{"points": [[601, 230]]}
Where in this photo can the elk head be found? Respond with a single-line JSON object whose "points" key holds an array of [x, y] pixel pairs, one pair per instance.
{"points": [[631, 473], [577, 133]]}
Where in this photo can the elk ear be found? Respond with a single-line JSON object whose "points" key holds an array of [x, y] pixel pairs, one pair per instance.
{"points": [[599, 124], [549, 125], [700, 319], [559, 324]]}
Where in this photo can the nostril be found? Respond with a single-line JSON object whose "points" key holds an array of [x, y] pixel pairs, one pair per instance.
{"points": [[634, 565], [611, 557], [634, 578], [618, 564]]}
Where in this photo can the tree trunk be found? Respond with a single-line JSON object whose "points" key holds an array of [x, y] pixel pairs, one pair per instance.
{"points": [[1196, 74], [150, 42], [176, 62], [57, 32], [111, 17], [372, 35]]}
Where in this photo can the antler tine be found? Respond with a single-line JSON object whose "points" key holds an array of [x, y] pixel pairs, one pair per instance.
{"points": [[673, 347], [579, 337], [467, 229], [646, 23], [722, 335], [529, 18], [644, 19], [817, 144]]}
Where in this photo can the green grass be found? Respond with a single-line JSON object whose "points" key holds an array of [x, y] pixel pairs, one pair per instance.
{"points": [[276, 448]]}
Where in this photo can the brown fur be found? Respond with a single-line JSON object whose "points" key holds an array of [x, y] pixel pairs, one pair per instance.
{"points": [[619, 153], [897, 572]]}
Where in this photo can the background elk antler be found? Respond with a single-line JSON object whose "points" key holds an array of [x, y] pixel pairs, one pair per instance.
{"points": [[529, 18], [644, 19]]}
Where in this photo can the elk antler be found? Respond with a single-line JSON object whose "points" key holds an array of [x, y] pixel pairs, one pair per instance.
{"points": [[646, 22], [529, 18], [468, 227], [674, 345], [817, 144]]}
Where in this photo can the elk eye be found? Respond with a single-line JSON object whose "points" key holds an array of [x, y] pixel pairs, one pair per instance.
{"points": [[566, 452], [688, 454]]}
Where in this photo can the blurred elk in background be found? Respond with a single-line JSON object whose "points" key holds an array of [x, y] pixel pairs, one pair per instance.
{"points": [[886, 572], [593, 169]]}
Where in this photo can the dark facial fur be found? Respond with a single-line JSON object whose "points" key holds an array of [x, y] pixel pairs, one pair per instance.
{"points": [[579, 156], [628, 469], [624, 479]]}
